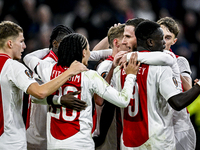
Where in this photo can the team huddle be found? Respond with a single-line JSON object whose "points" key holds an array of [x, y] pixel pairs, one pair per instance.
{"points": [[135, 98]]}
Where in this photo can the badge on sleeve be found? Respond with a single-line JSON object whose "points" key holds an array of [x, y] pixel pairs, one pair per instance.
{"points": [[175, 81], [104, 74], [29, 74]]}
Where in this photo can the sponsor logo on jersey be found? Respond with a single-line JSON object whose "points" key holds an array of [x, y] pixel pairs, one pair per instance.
{"points": [[28, 73]]}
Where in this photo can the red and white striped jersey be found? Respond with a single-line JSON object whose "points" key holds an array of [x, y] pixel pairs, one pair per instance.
{"points": [[14, 80], [147, 121], [67, 128], [36, 132]]}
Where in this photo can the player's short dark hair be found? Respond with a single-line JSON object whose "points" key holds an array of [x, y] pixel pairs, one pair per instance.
{"points": [[134, 22], [58, 33], [71, 48], [145, 29]]}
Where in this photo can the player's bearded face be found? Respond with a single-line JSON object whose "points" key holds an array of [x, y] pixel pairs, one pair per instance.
{"points": [[129, 39]]}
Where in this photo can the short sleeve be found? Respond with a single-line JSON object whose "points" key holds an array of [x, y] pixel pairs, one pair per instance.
{"points": [[167, 87], [21, 76]]}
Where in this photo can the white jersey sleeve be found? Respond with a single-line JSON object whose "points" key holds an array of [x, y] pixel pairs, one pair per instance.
{"points": [[154, 58], [43, 69], [21, 76], [104, 67], [166, 84], [184, 66], [107, 92], [175, 70], [97, 55], [36, 54]]}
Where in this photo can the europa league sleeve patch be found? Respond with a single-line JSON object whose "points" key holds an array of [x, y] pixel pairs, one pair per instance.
{"points": [[104, 74], [175, 81], [29, 73]]}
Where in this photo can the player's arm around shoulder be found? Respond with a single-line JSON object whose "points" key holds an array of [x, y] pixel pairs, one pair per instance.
{"points": [[44, 90], [100, 54], [32, 59]]}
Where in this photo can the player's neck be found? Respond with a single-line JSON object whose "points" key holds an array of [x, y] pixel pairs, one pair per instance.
{"points": [[7, 52], [141, 48], [114, 52]]}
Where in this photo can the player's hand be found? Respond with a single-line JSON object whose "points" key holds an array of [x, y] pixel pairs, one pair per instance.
{"points": [[69, 101], [195, 81], [77, 67], [117, 24], [118, 57], [122, 61], [133, 65]]}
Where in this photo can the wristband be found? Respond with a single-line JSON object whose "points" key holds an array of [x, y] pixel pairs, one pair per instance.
{"points": [[57, 100], [54, 100]]}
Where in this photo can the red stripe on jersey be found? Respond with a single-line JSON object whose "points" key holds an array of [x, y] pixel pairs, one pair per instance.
{"points": [[110, 58], [3, 59], [94, 119], [173, 52], [28, 113], [66, 124], [135, 123], [52, 55]]}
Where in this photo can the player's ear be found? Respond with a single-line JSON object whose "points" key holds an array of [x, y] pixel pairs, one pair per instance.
{"points": [[115, 42], [84, 52], [9, 43], [150, 42], [174, 41], [55, 44]]}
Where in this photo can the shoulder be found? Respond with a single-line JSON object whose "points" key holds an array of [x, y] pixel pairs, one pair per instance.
{"points": [[43, 49], [104, 64], [183, 64], [158, 69], [104, 67], [17, 70], [16, 64], [45, 63], [13, 66], [182, 60], [91, 74]]}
